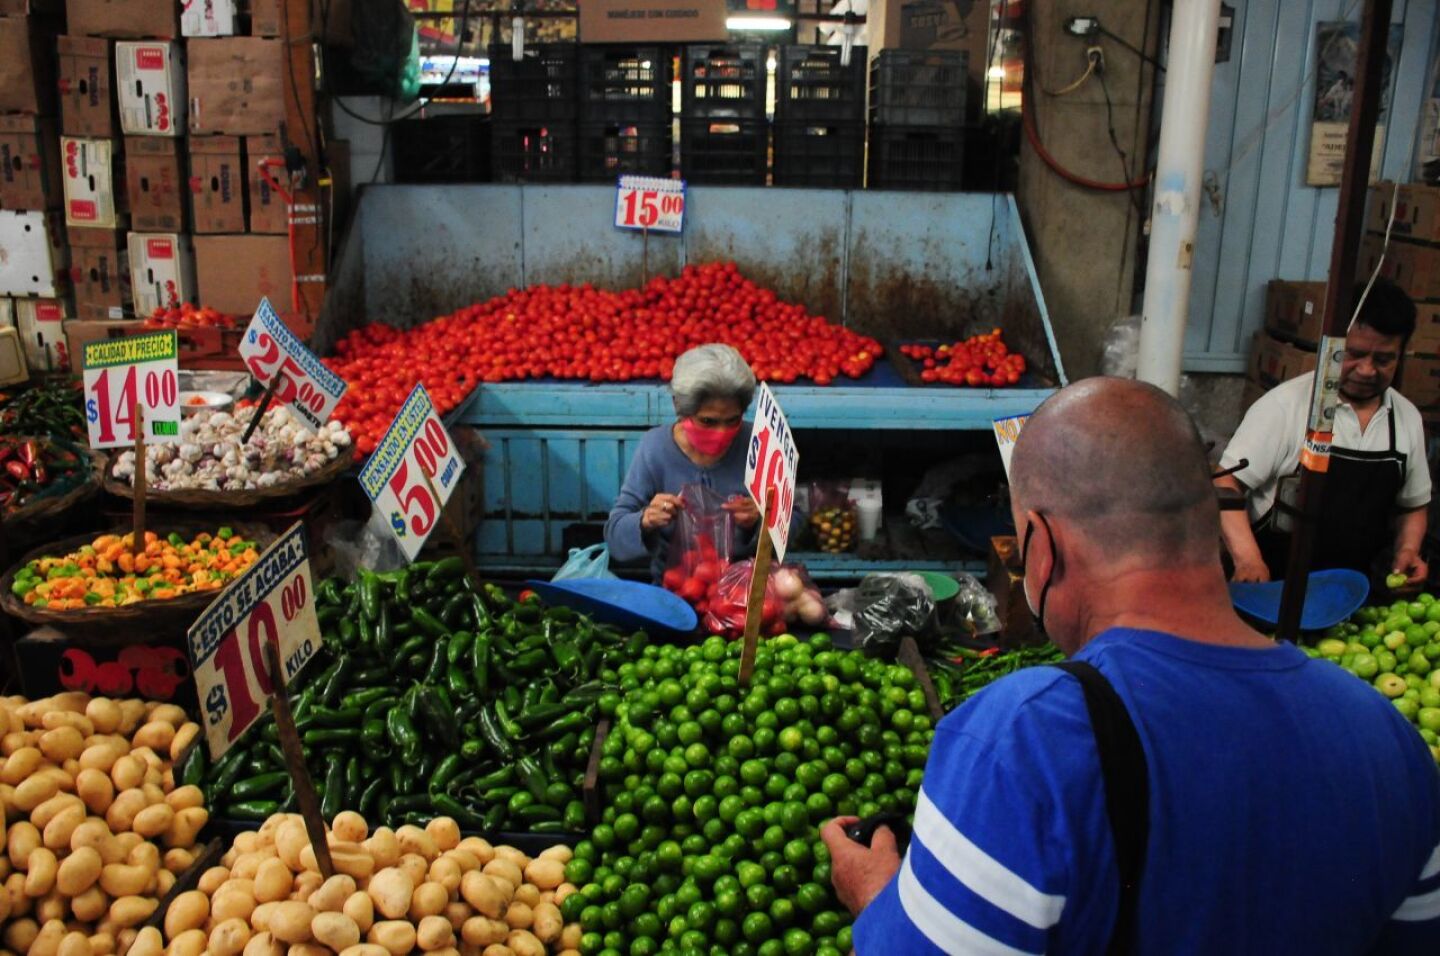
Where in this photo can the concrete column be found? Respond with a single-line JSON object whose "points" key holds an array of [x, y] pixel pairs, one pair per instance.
{"points": [[1084, 241]]}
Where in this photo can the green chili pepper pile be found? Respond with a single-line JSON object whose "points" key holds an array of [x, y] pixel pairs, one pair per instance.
{"points": [[434, 696], [956, 683], [52, 408]]}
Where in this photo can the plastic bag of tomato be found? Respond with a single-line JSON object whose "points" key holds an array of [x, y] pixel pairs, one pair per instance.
{"points": [[581, 333], [981, 361]]}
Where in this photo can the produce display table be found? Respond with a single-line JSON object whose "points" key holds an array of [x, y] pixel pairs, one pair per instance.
{"points": [[896, 266]]}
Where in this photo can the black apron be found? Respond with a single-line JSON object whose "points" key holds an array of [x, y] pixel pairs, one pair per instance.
{"points": [[1357, 513]]}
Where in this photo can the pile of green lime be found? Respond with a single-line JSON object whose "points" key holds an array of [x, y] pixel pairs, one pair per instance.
{"points": [[715, 793], [1396, 648]]}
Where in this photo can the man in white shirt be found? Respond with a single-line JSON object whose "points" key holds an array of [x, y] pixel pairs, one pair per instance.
{"points": [[1378, 484]]}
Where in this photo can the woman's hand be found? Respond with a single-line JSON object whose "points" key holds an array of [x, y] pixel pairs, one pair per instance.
{"points": [[661, 510], [743, 509]]}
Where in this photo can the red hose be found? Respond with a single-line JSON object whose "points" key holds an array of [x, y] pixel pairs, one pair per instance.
{"points": [[1027, 116], [261, 168]]}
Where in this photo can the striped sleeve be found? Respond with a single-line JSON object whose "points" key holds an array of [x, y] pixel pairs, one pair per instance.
{"points": [[1004, 835], [1415, 925]]}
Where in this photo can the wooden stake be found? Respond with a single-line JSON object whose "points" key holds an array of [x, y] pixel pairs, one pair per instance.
{"points": [[759, 577], [909, 655], [644, 255], [295, 763], [137, 517], [260, 409], [453, 529]]}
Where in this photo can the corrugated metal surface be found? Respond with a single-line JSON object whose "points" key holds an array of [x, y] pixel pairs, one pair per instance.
{"points": [[537, 482], [892, 264], [1270, 224]]}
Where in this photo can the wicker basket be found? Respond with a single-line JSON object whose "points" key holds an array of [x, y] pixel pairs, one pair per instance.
{"points": [[224, 499], [154, 613], [46, 507]]}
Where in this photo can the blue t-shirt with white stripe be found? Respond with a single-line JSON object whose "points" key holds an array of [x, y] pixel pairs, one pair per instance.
{"points": [[1292, 809]]}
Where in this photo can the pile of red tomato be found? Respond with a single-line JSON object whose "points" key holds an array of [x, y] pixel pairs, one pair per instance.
{"points": [[581, 333], [187, 316], [981, 361]]}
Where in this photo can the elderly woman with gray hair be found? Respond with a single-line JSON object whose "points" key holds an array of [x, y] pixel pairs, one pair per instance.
{"points": [[712, 387]]}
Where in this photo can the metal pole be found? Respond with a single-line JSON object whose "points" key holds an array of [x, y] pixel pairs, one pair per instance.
{"points": [[1178, 174], [1339, 293]]}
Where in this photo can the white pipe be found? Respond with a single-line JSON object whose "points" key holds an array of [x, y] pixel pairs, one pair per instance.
{"points": [[1178, 174]]}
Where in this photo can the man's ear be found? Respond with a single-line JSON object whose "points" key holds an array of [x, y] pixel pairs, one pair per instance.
{"points": [[1040, 556]]}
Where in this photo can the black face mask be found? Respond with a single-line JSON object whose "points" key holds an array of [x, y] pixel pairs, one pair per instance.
{"points": [[1039, 614]]}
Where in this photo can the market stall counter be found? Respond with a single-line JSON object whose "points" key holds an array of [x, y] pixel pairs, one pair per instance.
{"points": [[894, 267]]}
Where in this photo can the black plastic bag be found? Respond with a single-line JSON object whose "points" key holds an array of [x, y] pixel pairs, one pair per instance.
{"points": [[891, 606]]}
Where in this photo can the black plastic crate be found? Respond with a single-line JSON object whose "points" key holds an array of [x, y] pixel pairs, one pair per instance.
{"points": [[733, 152], [825, 155], [626, 84], [919, 87], [916, 157], [541, 86], [724, 80], [442, 149], [532, 152], [608, 150], [813, 85]]}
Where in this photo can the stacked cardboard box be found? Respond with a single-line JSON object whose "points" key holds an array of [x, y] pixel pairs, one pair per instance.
{"points": [[189, 103], [122, 103], [1412, 260], [238, 173], [34, 269], [141, 165], [1285, 348]]}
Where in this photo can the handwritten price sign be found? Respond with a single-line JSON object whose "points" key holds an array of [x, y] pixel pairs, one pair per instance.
{"points": [[272, 353], [271, 603], [121, 372], [1007, 430], [650, 203], [772, 464], [413, 472]]}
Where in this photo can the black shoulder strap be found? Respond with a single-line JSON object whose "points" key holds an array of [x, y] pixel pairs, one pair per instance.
{"points": [[1127, 791]]}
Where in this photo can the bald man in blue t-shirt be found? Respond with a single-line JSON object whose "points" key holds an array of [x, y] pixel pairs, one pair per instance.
{"points": [[1292, 809]]}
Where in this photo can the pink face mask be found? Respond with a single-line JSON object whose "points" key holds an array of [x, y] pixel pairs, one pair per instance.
{"points": [[708, 441]]}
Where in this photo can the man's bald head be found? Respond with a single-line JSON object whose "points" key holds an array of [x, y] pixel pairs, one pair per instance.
{"points": [[1122, 461]]}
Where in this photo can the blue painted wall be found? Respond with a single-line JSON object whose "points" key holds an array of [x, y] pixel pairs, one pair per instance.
{"points": [[1270, 224]]}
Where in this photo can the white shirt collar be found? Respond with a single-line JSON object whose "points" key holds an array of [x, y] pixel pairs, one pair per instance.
{"points": [[1387, 407]]}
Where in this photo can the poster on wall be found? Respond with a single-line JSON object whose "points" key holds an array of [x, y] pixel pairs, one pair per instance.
{"points": [[1338, 46], [1427, 160]]}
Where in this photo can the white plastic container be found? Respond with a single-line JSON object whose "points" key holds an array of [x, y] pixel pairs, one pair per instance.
{"points": [[868, 511]]}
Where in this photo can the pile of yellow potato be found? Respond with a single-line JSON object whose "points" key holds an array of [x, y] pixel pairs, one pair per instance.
{"points": [[393, 892], [86, 786]]}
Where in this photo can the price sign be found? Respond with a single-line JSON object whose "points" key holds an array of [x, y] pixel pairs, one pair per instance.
{"points": [[413, 472], [272, 353], [772, 463], [1007, 430], [121, 372], [650, 203], [271, 603]]}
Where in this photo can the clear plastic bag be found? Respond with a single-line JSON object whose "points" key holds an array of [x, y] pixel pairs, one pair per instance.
{"points": [[801, 602], [700, 547], [834, 518], [891, 606], [591, 562], [975, 606], [368, 544], [728, 600], [791, 598]]}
